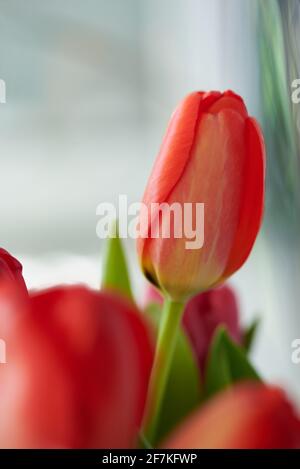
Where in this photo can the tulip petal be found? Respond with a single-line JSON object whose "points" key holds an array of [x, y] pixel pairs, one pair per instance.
{"points": [[174, 153], [77, 373], [251, 207], [11, 269], [231, 101], [248, 416], [204, 313]]}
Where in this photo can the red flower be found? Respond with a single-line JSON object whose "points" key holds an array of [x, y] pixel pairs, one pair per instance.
{"points": [[152, 295], [11, 269], [204, 313], [78, 363], [212, 153], [248, 416]]}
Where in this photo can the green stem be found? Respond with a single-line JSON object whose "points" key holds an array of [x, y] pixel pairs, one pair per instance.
{"points": [[168, 329]]}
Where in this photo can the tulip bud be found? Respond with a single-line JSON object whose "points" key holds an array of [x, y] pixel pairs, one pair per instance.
{"points": [[204, 313], [248, 416], [11, 269], [77, 370], [213, 153]]}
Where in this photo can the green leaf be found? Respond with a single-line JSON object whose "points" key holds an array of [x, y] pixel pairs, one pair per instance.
{"points": [[183, 388], [250, 334], [115, 276], [227, 364]]}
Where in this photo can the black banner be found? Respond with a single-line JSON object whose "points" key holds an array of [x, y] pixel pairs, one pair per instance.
{"points": [[138, 458]]}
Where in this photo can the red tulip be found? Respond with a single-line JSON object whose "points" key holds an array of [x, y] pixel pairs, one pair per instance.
{"points": [[77, 370], [152, 295], [204, 313], [11, 269], [248, 416], [212, 153]]}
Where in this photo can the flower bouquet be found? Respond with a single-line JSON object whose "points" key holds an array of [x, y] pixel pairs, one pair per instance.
{"points": [[92, 369]]}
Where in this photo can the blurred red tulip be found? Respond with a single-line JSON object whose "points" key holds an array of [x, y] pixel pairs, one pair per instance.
{"points": [[152, 295], [77, 370], [248, 416], [212, 153], [204, 313], [11, 269]]}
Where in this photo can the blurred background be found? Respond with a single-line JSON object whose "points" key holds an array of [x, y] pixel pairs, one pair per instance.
{"points": [[90, 88]]}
